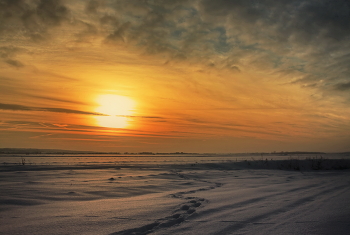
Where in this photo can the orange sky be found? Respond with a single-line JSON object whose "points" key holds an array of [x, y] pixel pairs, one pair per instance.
{"points": [[175, 76]]}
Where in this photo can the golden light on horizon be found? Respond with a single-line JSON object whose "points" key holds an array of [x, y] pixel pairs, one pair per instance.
{"points": [[117, 108]]}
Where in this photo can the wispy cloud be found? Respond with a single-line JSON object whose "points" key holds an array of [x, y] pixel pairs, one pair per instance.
{"points": [[342, 86], [8, 53], [34, 18], [305, 39], [17, 107], [50, 98]]}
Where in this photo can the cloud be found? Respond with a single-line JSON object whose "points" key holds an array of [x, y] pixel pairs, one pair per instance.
{"points": [[32, 18], [14, 63], [16, 107], [55, 99], [119, 34], [62, 110], [328, 18], [7, 54], [87, 34], [92, 6], [307, 18], [53, 12], [342, 86], [302, 40], [234, 34], [298, 40]]}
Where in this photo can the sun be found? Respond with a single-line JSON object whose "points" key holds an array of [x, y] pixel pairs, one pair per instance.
{"points": [[118, 110]]}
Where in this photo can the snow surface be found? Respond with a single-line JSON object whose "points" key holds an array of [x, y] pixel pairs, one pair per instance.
{"points": [[208, 198]]}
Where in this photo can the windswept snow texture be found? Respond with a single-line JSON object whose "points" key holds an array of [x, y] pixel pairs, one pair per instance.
{"points": [[215, 198]]}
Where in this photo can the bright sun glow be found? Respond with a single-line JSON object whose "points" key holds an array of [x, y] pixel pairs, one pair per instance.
{"points": [[118, 108]]}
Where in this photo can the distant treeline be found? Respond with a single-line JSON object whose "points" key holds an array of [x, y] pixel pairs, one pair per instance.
{"points": [[39, 151], [60, 151], [296, 152]]}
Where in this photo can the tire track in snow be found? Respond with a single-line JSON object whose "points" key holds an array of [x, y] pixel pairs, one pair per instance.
{"points": [[304, 202], [252, 201], [311, 206], [184, 211]]}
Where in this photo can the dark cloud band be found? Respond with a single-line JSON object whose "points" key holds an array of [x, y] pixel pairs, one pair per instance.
{"points": [[16, 107]]}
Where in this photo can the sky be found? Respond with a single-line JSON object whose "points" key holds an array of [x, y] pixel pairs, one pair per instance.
{"points": [[200, 76]]}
